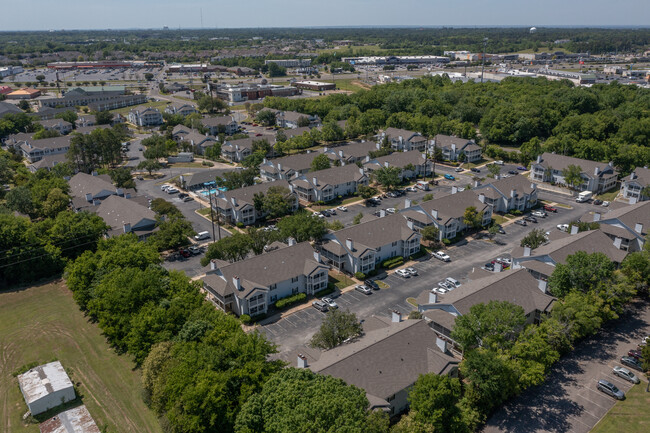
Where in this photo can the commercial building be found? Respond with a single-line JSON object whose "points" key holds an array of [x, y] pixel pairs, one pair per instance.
{"points": [[364, 246], [24, 93], [10, 70], [45, 387], [317, 86], [146, 117], [253, 91], [635, 186], [250, 285], [396, 60], [290, 63], [597, 177]]}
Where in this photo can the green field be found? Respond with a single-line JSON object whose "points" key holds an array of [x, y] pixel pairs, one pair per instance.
{"points": [[158, 104], [629, 415], [350, 84], [43, 323]]}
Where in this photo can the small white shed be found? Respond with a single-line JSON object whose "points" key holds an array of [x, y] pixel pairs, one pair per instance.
{"points": [[45, 387]]}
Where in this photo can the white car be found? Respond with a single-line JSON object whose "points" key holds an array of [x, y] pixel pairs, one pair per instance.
{"points": [[441, 255], [605, 204], [411, 189], [539, 214], [403, 273], [332, 211], [458, 169], [412, 271], [391, 210], [440, 290], [342, 208], [499, 162], [330, 302], [172, 190], [625, 374], [563, 227], [363, 289]]}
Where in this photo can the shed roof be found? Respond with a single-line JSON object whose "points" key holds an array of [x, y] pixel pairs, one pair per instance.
{"points": [[43, 380]]}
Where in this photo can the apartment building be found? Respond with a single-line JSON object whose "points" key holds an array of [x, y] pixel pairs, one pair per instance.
{"points": [[411, 164], [634, 186], [509, 193], [146, 117], [453, 147], [402, 139], [597, 177], [326, 185]]}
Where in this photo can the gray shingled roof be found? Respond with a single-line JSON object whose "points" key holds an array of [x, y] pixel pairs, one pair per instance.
{"points": [[445, 141], [355, 150], [244, 196], [243, 143], [83, 183], [7, 108], [117, 211], [404, 133], [561, 162], [216, 121], [336, 175], [266, 269], [46, 143], [641, 176], [400, 159], [452, 205], [387, 360], [507, 184], [631, 215]]}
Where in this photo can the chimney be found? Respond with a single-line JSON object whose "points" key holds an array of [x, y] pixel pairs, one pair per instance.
{"points": [[325, 149], [233, 200], [533, 186], [476, 183], [127, 195], [526, 251], [361, 172], [279, 166], [638, 227], [382, 213], [407, 203], [539, 159], [434, 214], [386, 164], [541, 284], [442, 344], [481, 198], [368, 158], [315, 181], [596, 216], [302, 361], [126, 227], [89, 197], [632, 175], [453, 148], [596, 171], [236, 282], [340, 153], [291, 242], [433, 297], [317, 256], [498, 267], [454, 189], [213, 265], [349, 243], [94, 173], [617, 243], [396, 317], [513, 193], [410, 224], [378, 146], [119, 191], [574, 230]]}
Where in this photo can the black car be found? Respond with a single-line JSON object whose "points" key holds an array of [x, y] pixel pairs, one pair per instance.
{"points": [[513, 172], [530, 219], [598, 202], [475, 170], [632, 362], [372, 284], [182, 195]]}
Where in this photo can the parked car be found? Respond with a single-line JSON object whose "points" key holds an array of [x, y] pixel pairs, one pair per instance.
{"points": [[443, 285], [632, 362], [185, 253], [172, 190], [403, 273], [513, 172], [597, 202], [634, 353], [325, 212], [563, 227], [449, 177], [332, 211], [363, 289], [391, 210], [458, 169], [625, 374], [329, 302], [489, 267], [611, 389], [550, 208], [372, 284], [499, 162], [605, 203], [320, 305], [188, 198], [530, 219], [439, 290], [342, 208], [521, 222], [522, 168], [194, 250], [452, 282], [441, 255], [501, 231], [539, 214], [182, 195], [475, 170], [411, 189], [412, 271]]}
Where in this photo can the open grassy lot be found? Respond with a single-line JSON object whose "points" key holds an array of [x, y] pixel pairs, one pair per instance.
{"points": [[43, 323], [351, 84], [629, 415], [157, 104]]}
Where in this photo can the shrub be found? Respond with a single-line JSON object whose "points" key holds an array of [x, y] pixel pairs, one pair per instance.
{"points": [[446, 241], [290, 300], [360, 276], [240, 225], [245, 319], [372, 273], [207, 163], [326, 291], [392, 263], [515, 212]]}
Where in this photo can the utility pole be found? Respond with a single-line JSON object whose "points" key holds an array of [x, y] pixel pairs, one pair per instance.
{"points": [[485, 41]]}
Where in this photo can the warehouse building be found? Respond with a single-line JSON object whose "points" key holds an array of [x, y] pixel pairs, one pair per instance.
{"points": [[45, 387], [318, 86]]}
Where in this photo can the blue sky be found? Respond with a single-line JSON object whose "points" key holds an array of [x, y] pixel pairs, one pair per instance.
{"points": [[117, 14]]}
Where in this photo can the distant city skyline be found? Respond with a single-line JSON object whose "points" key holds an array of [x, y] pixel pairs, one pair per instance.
{"points": [[144, 14]]}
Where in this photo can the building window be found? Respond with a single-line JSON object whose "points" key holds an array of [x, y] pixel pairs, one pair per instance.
{"points": [[294, 280], [273, 286]]}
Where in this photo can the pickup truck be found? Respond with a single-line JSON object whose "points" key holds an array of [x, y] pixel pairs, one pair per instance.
{"points": [[441, 255]]}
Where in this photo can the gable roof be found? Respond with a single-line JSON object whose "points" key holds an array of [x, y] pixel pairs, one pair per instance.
{"points": [[638, 213], [354, 150], [30, 145], [451, 206], [404, 133], [244, 196], [216, 121], [117, 211], [561, 162], [445, 141], [263, 270], [641, 175], [197, 138], [298, 162], [290, 133], [75, 420], [243, 143], [521, 184], [205, 176], [7, 108], [399, 159], [54, 122], [333, 176], [387, 360], [293, 116], [83, 183]]}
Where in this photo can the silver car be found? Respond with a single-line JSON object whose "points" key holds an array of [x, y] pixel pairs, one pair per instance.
{"points": [[611, 389], [625, 374]]}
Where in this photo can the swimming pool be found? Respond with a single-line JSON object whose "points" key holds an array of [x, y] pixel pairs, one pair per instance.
{"points": [[213, 191]]}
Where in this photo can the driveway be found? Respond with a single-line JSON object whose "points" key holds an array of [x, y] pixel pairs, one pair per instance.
{"points": [[296, 329], [568, 400]]}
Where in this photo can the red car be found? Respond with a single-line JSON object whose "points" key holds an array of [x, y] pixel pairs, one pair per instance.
{"points": [[185, 253], [258, 135], [635, 354], [549, 208]]}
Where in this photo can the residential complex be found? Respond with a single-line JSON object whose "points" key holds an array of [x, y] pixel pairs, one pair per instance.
{"points": [[635, 185], [597, 176]]}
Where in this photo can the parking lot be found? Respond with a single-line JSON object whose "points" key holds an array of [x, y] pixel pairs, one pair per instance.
{"points": [[79, 76], [568, 401]]}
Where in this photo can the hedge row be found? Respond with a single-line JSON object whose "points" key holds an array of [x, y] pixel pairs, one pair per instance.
{"points": [[288, 301], [394, 262]]}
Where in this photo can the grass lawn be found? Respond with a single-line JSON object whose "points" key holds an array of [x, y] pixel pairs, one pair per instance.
{"points": [[564, 206], [630, 415], [158, 104], [382, 285], [412, 301], [43, 323], [335, 203], [498, 219], [611, 195], [340, 280], [351, 84]]}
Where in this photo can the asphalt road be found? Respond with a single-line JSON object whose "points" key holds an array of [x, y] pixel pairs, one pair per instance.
{"points": [[296, 329], [568, 400]]}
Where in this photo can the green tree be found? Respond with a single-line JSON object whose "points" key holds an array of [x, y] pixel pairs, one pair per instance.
{"points": [[302, 226], [388, 177], [259, 239], [103, 117], [430, 233], [68, 116], [276, 70], [321, 162], [336, 327], [148, 76], [266, 118], [493, 230], [57, 201], [494, 169], [582, 271], [20, 200], [121, 177], [324, 404], [434, 401], [572, 175], [534, 239], [494, 325], [150, 165], [472, 218], [278, 201], [357, 218], [163, 207], [173, 232], [579, 313], [238, 179], [232, 248], [366, 192]]}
